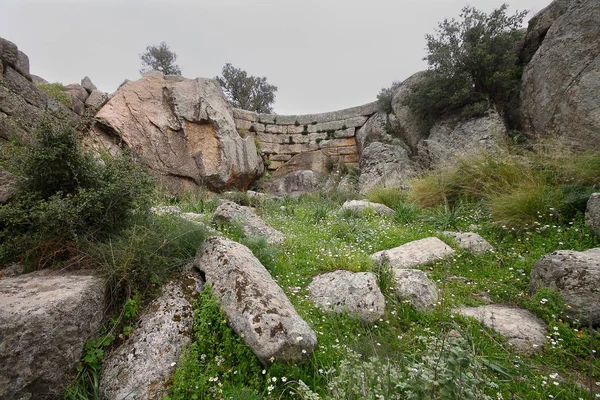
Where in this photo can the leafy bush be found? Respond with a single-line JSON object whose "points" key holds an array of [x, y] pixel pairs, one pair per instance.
{"points": [[68, 196], [384, 100], [57, 91], [472, 66]]}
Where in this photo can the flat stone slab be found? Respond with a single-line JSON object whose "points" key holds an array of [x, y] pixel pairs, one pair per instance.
{"points": [[359, 206], [355, 293], [525, 332], [416, 288], [470, 241], [413, 254], [251, 224], [142, 366], [576, 276], [256, 308], [46, 317]]}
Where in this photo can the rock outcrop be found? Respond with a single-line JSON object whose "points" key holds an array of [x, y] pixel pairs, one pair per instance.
{"points": [[592, 213], [183, 129], [561, 84], [360, 206], [251, 224], [576, 276], [415, 253], [295, 183], [385, 160], [141, 367], [449, 139], [355, 293], [23, 104], [408, 126], [45, 320], [255, 306], [525, 332]]}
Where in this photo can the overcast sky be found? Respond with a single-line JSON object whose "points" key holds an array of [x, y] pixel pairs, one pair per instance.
{"points": [[323, 55]]}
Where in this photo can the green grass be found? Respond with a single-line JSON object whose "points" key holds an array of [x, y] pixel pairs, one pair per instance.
{"points": [[57, 91], [319, 239]]}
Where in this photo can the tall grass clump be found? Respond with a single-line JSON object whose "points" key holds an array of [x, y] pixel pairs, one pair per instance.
{"points": [[519, 187], [389, 196]]}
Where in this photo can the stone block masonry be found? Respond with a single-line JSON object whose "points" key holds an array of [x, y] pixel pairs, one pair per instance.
{"points": [[294, 142]]}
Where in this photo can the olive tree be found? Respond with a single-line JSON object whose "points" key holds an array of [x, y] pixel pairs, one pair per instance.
{"points": [[472, 65], [245, 91], [159, 58]]}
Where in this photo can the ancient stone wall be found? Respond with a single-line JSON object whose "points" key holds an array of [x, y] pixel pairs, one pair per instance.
{"points": [[290, 143]]}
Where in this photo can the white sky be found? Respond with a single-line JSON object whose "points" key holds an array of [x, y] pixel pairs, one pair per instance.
{"points": [[323, 55]]}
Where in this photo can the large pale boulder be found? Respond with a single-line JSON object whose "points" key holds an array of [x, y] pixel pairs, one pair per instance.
{"points": [[525, 332], [141, 367], [592, 213], [355, 293], [96, 99], [251, 224], [256, 308], [576, 276], [414, 287], [45, 319], [415, 253], [359, 206], [560, 89], [184, 131], [449, 139]]}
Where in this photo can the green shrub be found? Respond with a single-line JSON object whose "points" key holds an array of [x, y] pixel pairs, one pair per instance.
{"points": [[57, 91], [68, 196], [472, 65]]}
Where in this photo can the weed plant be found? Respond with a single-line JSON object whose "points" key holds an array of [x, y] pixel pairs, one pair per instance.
{"points": [[406, 354]]}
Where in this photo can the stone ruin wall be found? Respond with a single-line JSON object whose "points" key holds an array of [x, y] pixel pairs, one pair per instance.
{"points": [[290, 143]]}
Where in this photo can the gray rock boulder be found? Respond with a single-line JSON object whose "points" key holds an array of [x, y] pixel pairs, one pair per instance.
{"points": [[251, 224], [22, 64], [383, 164], [360, 206], [9, 186], [525, 332], [88, 85], [141, 367], [538, 27], [449, 139], [415, 253], [255, 306], [470, 241], [96, 99], [45, 319], [414, 287], [408, 124], [560, 88], [295, 183], [9, 52], [355, 293], [576, 276], [183, 129], [592, 213]]}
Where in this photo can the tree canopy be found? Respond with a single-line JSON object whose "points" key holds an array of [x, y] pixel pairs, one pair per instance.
{"points": [[472, 65], [159, 58], [245, 91]]}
